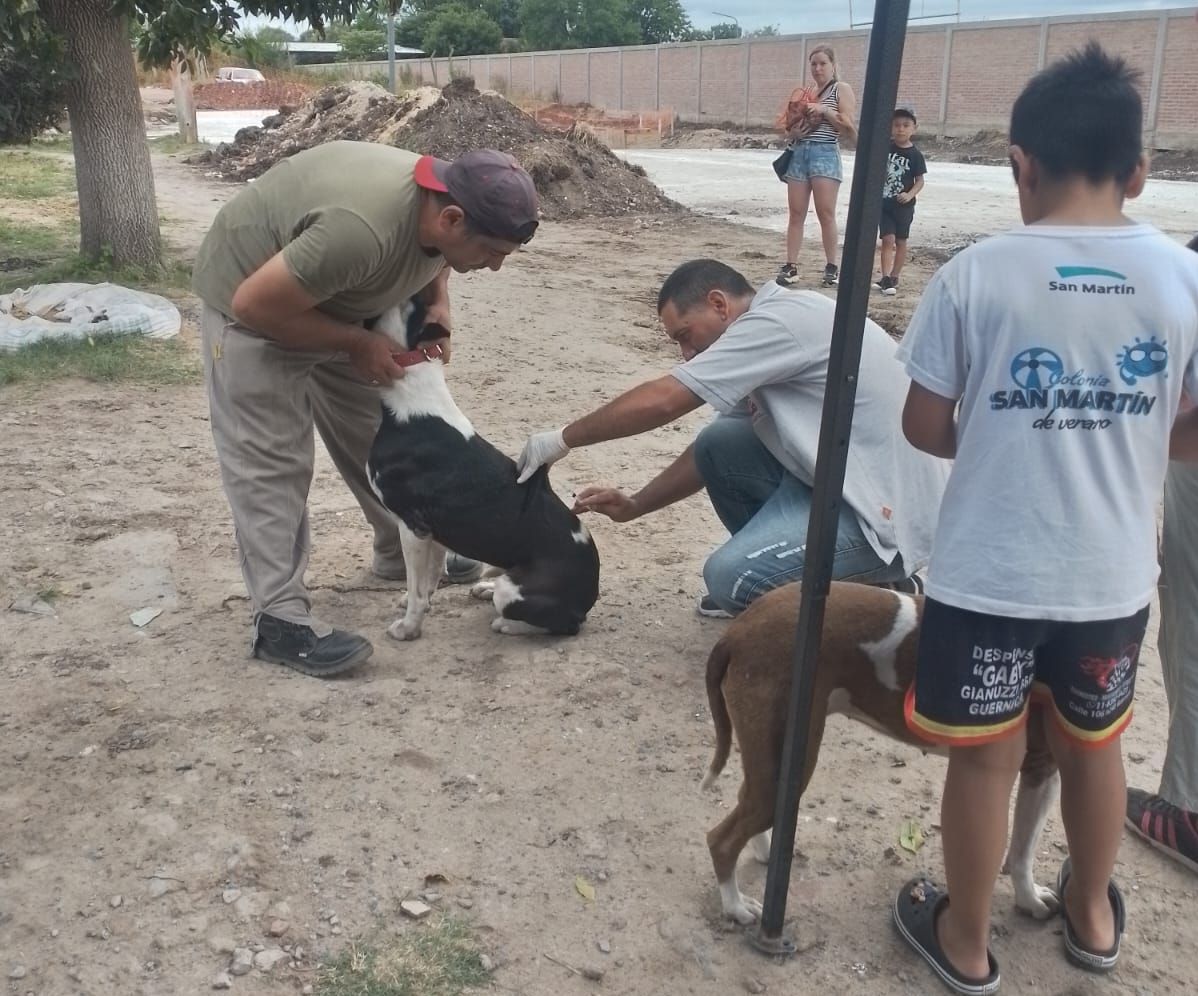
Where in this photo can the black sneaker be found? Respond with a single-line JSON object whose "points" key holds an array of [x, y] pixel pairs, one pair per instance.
{"points": [[831, 275], [788, 275], [908, 586], [709, 608], [458, 570], [891, 287], [293, 645], [881, 282]]}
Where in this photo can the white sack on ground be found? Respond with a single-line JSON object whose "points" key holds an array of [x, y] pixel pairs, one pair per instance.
{"points": [[76, 311]]}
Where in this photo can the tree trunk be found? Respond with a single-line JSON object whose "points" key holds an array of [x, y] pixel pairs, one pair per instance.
{"points": [[118, 214]]}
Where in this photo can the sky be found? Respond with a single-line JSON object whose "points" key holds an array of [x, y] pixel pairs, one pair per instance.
{"points": [[800, 16], [833, 15]]}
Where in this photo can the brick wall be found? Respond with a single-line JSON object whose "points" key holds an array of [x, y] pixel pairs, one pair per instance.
{"points": [[746, 82]]}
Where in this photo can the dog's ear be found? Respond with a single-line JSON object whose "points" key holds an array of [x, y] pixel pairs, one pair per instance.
{"points": [[430, 333], [417, 313]]}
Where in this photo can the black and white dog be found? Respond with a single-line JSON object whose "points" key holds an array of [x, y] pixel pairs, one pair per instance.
{"points": [[451, 489]]}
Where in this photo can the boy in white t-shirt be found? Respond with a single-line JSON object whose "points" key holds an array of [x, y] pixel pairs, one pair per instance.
{"points": [[1049, 362]]}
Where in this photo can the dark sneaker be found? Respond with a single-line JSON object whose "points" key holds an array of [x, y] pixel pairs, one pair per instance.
{"points": [[831, 275], [1168, 828], [909, 586], [891, 287], [709, 608], [458, 570], [788, 275], [293, 645], [881, 283]]}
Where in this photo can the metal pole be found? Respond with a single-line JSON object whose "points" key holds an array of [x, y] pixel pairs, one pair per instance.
{"points": [[391, 50], [865, 206]]}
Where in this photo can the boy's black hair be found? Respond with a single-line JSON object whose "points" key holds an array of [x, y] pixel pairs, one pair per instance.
{"points": [[1082, 116], [693, 281], [904, 112]]}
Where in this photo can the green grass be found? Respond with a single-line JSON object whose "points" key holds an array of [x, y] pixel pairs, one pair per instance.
{"points": [[129, 358], [29, 250], [28, 175], [172, 144], [47, 255], [439, 958], [45, 251]]}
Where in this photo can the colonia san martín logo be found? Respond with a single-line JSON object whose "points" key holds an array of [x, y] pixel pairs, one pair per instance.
{"points": [[1044, 383], [1090, 280]]}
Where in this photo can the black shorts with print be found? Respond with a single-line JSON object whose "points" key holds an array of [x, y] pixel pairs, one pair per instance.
{"points": [[977, 672]]}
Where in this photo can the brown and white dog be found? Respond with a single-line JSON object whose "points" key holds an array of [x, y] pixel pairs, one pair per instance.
{"points": [[866, 662]]}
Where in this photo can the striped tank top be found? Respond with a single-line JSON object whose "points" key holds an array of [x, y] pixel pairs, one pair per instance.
{"points": [[825, 132]]}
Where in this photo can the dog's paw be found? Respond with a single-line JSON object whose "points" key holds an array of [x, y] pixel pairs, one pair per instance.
{"points": [[745, 912], [1042, 903], [515, 627], [401, 629], [483, 590]]}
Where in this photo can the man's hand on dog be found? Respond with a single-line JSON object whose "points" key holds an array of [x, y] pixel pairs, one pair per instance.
{"points": [[542, 449], [616, 505], [371, 357]]}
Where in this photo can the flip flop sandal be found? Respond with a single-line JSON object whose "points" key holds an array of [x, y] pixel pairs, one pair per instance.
{"points": [[915, 910], [1101, 962]]}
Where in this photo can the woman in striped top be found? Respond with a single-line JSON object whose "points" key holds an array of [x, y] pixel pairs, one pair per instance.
{"points": [[815, 120]]}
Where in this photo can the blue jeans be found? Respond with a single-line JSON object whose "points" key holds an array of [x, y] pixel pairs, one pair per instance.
{"points": [[766, 509]]}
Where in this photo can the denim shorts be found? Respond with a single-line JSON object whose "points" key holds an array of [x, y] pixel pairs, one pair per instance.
{"points": [[815, 159]]}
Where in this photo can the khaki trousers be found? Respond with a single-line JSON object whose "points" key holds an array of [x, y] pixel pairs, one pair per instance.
{"points": [[264, 401]]}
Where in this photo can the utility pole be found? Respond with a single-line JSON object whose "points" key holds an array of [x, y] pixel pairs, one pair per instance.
{"points": [[391, 48]]}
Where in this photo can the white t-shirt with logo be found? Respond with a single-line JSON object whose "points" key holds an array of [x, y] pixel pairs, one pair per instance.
{"points": [[1068, 348], [775, 357]]}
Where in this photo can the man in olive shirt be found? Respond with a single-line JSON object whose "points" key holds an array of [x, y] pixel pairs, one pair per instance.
{"points": [[292, 267]]}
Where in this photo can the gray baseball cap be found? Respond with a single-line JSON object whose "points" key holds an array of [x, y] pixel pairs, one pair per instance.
{"points": [[493, 189]]}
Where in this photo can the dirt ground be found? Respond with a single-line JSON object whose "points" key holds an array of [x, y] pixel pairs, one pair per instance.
{"points": [[164, 799], [987, 148]]}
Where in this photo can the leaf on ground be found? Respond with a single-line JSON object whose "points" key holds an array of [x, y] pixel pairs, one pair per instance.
{"points": [[910, 836], [585, 889]]}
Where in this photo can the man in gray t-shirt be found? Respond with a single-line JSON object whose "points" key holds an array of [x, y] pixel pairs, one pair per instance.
{"points": [[761, 361]]}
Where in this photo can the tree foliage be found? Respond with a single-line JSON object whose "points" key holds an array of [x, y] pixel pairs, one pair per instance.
{"points": [[661, 21], [362, 43], [263, 49], [33, 82], [556, 24], [454, 29]]}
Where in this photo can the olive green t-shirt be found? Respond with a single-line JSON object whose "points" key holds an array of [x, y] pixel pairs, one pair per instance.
{"points": [[344, 215]]}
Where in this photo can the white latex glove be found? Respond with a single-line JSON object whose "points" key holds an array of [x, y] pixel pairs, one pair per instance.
{"points": [[542, 448]]}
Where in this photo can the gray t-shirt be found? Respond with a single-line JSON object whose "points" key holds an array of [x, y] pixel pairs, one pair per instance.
{"points": [[775, 358]]}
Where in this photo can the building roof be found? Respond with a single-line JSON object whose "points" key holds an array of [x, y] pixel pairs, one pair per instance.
{"points": [[332, 48]]}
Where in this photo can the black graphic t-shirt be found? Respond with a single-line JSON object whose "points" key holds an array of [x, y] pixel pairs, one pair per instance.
{"points": [[902, 167]]}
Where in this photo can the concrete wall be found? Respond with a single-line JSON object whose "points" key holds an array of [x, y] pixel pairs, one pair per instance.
{"points": [[960, 77]]}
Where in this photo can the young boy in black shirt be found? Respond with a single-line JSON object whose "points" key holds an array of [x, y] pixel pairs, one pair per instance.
{"points": [[905, 169]]}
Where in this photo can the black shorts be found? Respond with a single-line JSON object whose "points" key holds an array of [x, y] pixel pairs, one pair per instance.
{"points": [[896, 218], [976, 673]]}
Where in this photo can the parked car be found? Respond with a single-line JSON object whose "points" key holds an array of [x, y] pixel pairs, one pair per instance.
{"points": [[233, 74]]}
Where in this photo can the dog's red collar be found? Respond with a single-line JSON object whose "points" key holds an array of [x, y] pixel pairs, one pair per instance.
{"points": [[433, 351]]}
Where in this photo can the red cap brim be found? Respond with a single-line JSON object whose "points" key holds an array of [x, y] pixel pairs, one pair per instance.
{"points": [[430, 173]]}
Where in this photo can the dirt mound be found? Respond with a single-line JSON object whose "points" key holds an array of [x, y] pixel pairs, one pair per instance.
{"points": [[576, 175], [249, 96], [718, 138]]}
